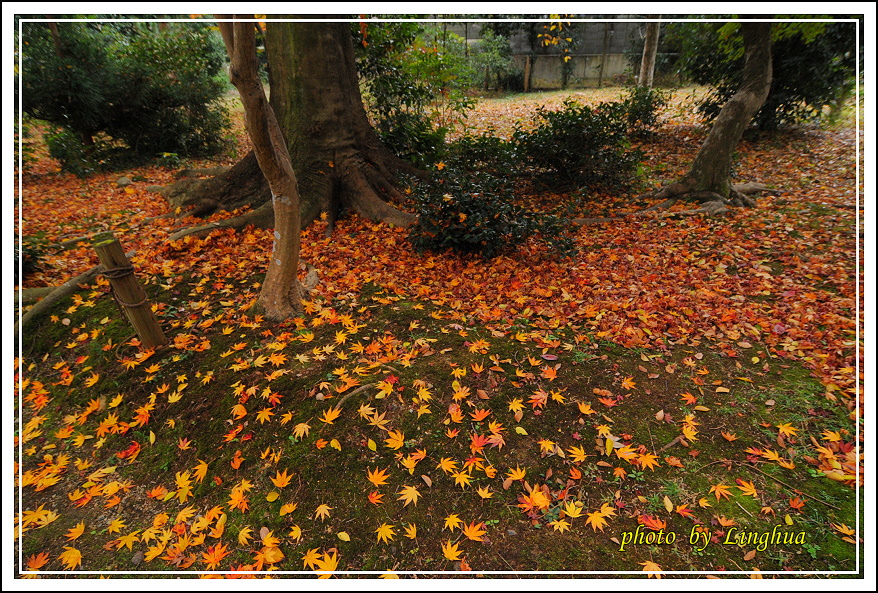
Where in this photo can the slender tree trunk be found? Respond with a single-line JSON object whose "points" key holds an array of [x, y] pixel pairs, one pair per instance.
{"points": [[281, 294], [650, 47], [709, 179], [339, 161], [604, 54]]}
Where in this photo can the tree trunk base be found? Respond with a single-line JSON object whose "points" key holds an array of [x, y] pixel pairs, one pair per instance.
{"points": [[353, 184]]}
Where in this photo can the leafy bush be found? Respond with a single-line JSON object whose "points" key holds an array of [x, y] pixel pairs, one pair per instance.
{"points": [[492, 65], [484, 152], [641, 108], [156, 89], [30, 254], [414, 75], [579, 145], [67, 148], [474, 213]]}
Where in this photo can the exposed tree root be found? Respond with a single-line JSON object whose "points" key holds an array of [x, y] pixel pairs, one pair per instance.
{"points": [[262, 217], [712, 203]]}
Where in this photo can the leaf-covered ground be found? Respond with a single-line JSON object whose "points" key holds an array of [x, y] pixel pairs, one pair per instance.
{"points": [[681, 397]]}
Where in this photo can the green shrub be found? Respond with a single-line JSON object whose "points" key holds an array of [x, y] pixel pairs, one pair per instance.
{"points": [[414, 77], [67, 148], [641, 108], [484, 152], [474, 213], [30, 254], [157, 89], [580, 146]]}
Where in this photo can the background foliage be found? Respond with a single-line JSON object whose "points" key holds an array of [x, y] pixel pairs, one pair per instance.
{"points": [[814, 66], [155, 88]]}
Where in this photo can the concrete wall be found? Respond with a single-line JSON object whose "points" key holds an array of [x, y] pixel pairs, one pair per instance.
{"points": [[592, 39], [546, 71]]}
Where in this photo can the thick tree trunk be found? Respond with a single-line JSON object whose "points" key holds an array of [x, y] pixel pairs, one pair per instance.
{"points": [[709, 179], [338, 159], [650, 48], [281, 294]]}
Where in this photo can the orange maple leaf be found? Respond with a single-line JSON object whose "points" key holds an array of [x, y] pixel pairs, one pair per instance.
{"points": [[650, 522], [214, 555], [282, 480], [474, 531], [720, 490]]}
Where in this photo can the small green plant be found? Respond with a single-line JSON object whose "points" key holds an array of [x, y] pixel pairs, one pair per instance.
{"points": [[474, 213], [170, 160]]}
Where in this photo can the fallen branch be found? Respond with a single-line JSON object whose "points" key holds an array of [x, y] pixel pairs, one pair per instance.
{"points": [[28, 295], [60, 292], [360, 389]]}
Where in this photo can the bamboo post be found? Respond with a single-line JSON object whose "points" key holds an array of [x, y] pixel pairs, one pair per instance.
{"points": [[127, 291]]}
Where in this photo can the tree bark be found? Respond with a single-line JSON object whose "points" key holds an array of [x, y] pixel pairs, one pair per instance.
{"points": [[338, 159], [281, 294], [709, 178], [650, 47]]}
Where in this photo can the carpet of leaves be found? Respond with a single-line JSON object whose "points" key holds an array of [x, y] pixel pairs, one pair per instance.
{"points": [[413, 374]]}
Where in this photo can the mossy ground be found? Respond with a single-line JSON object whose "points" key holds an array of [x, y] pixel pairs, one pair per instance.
{"points": [[425, 355]]}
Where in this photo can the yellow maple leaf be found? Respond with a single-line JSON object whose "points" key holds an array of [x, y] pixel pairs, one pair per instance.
{"points": [[411, 531], [301, 430], [200, 471], [395, 439], [573, 509], [787, 429], [71, 557], [327, 562], [378, 477], [76, 531], [652, 567], [330, 415], [385, 533], [451, 551], [747, 488], [720, 490], [409, 494], [322, 511], [596, 520]]}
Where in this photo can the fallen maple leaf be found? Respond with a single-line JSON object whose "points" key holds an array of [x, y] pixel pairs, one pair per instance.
{"points": [[409, 494], [596, 520], [385, 533], [282, 480], [71, 557], [322, 511], [214, 555], [76, 531], [720, 490], [652, 567], [451, 551], [474, 531]]}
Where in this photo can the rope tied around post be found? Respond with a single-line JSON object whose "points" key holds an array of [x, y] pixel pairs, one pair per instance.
{"points": [[127, 292], [115, 274]]}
